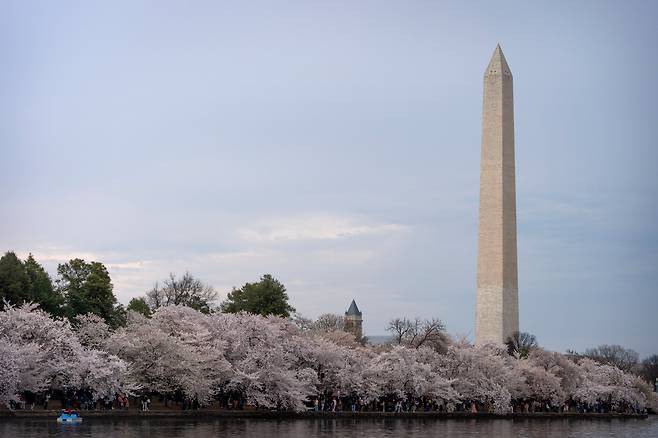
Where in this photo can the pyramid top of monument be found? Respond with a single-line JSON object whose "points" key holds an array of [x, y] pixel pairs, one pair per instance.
{"points": [[353, 310], [498, 64]]}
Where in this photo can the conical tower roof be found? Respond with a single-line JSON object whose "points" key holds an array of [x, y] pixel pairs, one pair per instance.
{"points": [[498, 64], [353, 310]]}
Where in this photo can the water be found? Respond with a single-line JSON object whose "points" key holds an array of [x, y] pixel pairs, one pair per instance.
{"points": [[341, 427]]}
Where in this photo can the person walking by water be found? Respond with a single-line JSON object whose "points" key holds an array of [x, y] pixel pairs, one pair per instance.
{"points": [[123, 401], [398, 406]]}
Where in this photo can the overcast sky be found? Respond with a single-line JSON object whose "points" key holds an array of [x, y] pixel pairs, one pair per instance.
{"points": [[336, 145]]}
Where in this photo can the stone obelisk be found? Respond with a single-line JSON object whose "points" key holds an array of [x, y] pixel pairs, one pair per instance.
{"points": [[497, 309]]}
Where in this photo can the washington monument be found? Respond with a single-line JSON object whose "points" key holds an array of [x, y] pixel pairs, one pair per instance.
{"points": [[497, 308]]}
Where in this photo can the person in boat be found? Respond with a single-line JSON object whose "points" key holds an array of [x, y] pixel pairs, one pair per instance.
{"points": [[69, 414]]}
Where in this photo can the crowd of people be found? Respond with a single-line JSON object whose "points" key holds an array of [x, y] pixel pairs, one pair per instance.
{"points": [[76, 400], [83, 400], [423, 404]]}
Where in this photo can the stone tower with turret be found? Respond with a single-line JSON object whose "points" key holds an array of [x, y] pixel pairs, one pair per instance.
{"points": [[354, 321], [497, 309]]}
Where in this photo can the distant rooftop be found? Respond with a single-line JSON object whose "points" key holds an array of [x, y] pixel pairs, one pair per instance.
{"points": [[353, 310]]}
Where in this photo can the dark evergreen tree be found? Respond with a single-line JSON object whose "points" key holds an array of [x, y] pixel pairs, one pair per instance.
{"points": [[41, 289], [14, 282], [139, 305], [266, 297], [87, 288]]}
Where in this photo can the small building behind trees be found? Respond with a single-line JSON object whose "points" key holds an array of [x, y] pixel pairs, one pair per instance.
{"points": [[354, 321]]}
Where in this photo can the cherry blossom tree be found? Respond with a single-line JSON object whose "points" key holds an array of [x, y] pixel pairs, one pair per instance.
{"points": [[408, 373], [539, 384], [53, 364], [45, 353], [277, 363], [265, 357], [482, 374], [609, 385], [103, 374], [15, 375], [339, 361], [92, 330], [569, 373], [173, 350]]}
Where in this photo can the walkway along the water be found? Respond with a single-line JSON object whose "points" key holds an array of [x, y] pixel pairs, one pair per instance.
{"points": [[313, 414]]}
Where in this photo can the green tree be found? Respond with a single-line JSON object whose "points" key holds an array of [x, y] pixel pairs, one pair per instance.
{"points": [[87, 288], [14, 283], [40, 288], [266, 297], [139, 305], [119, 317]]}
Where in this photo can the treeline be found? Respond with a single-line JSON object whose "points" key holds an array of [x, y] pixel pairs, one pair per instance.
{"points": [[233, 360], [85, 288], [81, 288], [176, 342]]}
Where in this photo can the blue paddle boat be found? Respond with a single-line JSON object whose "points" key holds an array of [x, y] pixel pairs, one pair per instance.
{"points": [[69, 416]]}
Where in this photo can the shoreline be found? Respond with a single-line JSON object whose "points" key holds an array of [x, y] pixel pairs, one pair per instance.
{"points": [[277, 415]]}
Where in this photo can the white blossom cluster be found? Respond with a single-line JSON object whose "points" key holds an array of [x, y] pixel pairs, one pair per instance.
{"points": [[274, 364]]}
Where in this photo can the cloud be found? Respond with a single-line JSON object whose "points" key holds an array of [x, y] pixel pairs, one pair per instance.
{"points": [[314, 227], [127, 266], [52, 255], [256, 247], [58, 255]]}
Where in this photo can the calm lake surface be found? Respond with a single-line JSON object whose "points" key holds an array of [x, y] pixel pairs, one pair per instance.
{"points": [[341, 427]]}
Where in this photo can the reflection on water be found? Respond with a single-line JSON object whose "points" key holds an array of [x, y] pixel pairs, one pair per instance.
{"points": [[341, 427]]}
